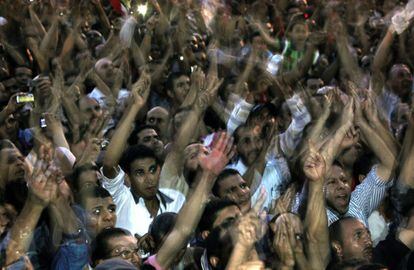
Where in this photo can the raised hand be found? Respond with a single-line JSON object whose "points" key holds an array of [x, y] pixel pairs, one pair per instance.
{"points": [[281, 243], [42, 183], [198, 80], [348, 113], [249, 229], [314, 166], [221, 153], [141, 89], [206, 98], [12, 106]]}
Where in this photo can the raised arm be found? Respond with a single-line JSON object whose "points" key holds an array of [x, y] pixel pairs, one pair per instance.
{"points": [[377, 145], [347, 59], [331, 148], [42, 187], [140, 93], [380, 60], [316, 221], [173, 165], [192, 210]]}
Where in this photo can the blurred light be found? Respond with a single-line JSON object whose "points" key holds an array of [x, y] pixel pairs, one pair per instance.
{"points": [[142, 9]]}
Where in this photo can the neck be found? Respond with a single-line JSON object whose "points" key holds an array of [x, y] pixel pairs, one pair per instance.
{"points": [[152, 205]]}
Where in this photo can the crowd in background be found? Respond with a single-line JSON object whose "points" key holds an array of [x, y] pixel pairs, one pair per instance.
{"points": [[206, 134]]}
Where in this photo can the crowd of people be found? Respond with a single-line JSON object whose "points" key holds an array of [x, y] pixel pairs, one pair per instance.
{"points": [[206, 134]]}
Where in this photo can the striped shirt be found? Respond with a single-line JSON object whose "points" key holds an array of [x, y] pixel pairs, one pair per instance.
{"points": [[276, 174], [365, 199]]}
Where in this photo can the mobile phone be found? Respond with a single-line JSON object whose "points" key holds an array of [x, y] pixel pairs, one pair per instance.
{"points": [[43, 123], [24, 98]]}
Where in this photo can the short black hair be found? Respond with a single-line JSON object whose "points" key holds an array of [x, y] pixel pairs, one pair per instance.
{"points": [[346, 264], [136, 152], [223, 175], [173, 76], [100, 248], [74, 177], [94, 192], [335, 234], [213, 207], [133, 138], [161, 226]]}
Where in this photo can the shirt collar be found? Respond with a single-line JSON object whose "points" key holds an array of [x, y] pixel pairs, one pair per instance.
{"points": [[165, 199]]}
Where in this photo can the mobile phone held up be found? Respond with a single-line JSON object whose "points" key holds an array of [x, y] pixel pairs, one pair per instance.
{"points": [[25, 98], [43, 123]]}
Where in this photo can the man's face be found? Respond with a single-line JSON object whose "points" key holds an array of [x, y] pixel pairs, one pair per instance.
{"points": [[13, 165], [125, 247], [150, 139], [235, 188], [101, 213], [94, 38], [106, 70], [89, 109], [337, 190], [87, 179], [401, 81], [145, 175], [158, 117], [226, 215], [192, 155], [356, 240], [23, 76], [181, 86], [250, 144]]}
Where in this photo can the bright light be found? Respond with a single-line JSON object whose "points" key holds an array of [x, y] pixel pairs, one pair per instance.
{"points": [[142, 9]]}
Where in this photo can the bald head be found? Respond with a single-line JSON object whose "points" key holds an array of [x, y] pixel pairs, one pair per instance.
{"points": [[160, 118], [106, 70], [89, 108]]}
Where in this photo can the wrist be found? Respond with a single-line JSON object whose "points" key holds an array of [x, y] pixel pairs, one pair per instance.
{"points": [[36, 204]]}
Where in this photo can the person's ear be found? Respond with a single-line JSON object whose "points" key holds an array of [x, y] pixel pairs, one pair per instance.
{"points": [[170, 93], [337, 249], [205, 234], [214, 261]]}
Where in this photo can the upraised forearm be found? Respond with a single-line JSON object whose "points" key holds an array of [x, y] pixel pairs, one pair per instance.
{"points": [[381, 151], [119, 139], [238, 256], [187, 221], [316, 224], [380, 58], [348, 61], [21, 234]]}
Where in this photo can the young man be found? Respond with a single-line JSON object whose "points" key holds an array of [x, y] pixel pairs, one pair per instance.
{"points": [[144, 199], [231, 185]]}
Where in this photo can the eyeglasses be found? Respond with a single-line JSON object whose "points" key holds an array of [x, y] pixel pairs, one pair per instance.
{"points": [[125, 252]]}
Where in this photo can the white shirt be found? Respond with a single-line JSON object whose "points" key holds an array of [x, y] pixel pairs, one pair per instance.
{"points": [[132, 214]]}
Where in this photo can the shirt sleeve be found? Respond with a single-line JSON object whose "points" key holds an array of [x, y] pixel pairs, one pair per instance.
{"points": [[300, 118], [239, 115], [369, 194], [115, 186], [71, 255]]}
